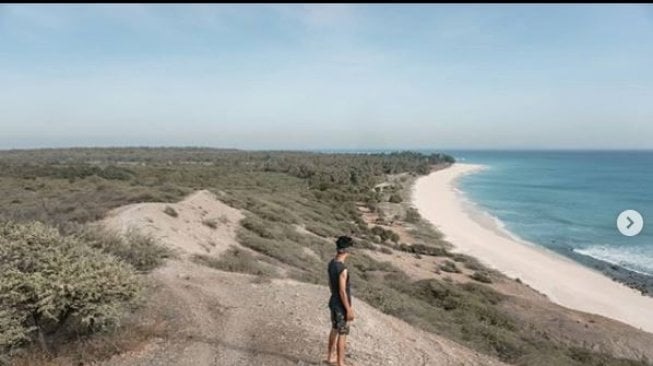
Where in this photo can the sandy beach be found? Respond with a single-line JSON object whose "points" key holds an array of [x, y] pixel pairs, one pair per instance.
{"points": [[564, 281]]}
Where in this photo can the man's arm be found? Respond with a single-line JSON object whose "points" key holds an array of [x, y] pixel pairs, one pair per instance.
{"points": [[343, 294]]}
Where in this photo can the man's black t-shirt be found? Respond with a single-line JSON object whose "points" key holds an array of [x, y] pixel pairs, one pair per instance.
{"points": [[335, 269]]}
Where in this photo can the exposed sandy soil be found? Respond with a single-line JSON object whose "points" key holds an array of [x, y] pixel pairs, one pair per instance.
{"points": [[222, 318], [230, 319], [185, 233]]}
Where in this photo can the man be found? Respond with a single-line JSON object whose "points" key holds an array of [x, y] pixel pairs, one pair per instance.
{"points": [[340, 302]]}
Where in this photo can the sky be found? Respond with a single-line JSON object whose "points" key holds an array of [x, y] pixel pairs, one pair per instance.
{"points": [[327, 76]]}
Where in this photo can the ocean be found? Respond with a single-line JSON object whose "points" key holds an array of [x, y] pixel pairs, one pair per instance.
{"points": [[568, 201]]}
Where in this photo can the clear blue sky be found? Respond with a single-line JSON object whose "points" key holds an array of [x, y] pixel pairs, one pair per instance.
{"points": [[329, 76]]}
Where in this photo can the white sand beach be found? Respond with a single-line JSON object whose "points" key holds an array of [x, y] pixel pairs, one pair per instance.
{"points": [[564, 281]]}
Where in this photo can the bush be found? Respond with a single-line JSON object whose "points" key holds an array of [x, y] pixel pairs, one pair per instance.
{"points": [[449, 266], [364, 263], [365, 244], [140, 250], [423, 250], [384, 234], [112, 172], [322, 230], [235, 260], [481, 277], [412, 215], [50, 282], [12, 330], [473, 264], [286, 251], [270, 212], [170, 211], [395, 198], [260, 227]]}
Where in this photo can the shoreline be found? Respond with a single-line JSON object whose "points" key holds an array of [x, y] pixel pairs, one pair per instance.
{"points": [[565, 282]]}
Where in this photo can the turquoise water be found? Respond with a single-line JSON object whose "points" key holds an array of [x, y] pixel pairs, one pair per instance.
{"points": [[568, 201]]}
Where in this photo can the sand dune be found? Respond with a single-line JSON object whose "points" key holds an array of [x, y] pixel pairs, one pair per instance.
{"points": [[565, 282], [186, 232]]}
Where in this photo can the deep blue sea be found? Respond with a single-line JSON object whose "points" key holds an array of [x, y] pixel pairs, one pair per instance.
{"points": [[568, 201]]}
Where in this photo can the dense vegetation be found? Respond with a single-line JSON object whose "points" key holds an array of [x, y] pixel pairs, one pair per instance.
{"points": [[295, 204], [52, 282]]}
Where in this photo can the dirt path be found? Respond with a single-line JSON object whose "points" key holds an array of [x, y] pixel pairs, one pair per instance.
{"points": [[231, 319]]}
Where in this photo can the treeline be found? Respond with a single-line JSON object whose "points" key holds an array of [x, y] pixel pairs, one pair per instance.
{"points": [[341, 170], [112, 155], [71, 172], [321, 170], [178, 155]]}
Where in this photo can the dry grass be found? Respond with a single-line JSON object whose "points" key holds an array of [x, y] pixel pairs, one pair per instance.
{"points": [[237, 260]]}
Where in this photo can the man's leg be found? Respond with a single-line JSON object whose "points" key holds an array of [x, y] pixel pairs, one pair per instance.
{"points": [[342, 339], [332, 356], [343, 330]]}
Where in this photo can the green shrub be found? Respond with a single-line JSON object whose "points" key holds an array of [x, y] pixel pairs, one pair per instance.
{"points": [[50, 281], [484, 293], [140, 250], [412, 215], [322, 230], [395, 198], [12, 329], [285, 251], [481, 277], [449, 266], [461, 258], [259, 227], [383, 233], [423, 250], [473, 264], [170, 211], [235, 260], [364, 263], [364, 244], [112, 172]]}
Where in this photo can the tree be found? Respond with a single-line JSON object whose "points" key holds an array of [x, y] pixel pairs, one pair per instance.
{"points": [[50, 282], [412, 215]]}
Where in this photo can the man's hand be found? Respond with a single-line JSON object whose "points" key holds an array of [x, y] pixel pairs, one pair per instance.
{"points": [[350, 315]]}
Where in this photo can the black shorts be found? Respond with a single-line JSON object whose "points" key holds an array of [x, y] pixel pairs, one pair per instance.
{"points": [[339, 321]]}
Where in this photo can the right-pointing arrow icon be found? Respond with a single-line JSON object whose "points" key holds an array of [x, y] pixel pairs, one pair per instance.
{"points": [[630, 223]]}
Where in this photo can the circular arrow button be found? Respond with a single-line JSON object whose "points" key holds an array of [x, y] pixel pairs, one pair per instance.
{"points": [[630, 223]]}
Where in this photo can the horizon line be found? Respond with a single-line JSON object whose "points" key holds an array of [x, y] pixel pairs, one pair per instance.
{"points": [[342, 149]]}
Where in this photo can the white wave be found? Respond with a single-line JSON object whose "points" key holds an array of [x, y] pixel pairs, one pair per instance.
{"points": [[638, 259]]}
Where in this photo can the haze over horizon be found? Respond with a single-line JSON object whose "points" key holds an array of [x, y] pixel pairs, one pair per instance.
{"points": [[327, 76]]}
